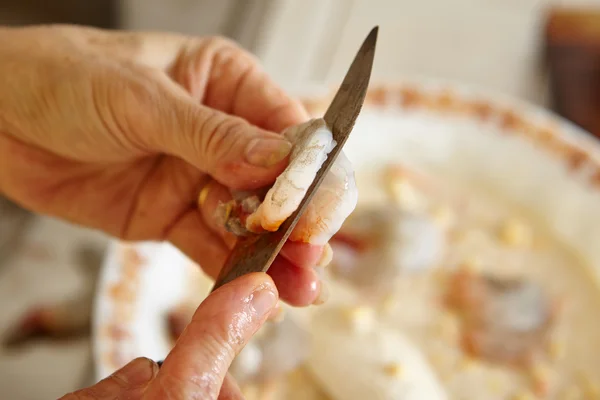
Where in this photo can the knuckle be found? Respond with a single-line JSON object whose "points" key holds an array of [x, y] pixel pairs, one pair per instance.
{"points": [[221, 134], [225, 48], [123, 104], [218, 345], [107, 101], [220, 41], [147, 74], [142, 83], [79, 395]]}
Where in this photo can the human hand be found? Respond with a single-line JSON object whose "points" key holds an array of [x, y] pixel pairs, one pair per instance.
{"points": [[122, 132], [197, 366]]}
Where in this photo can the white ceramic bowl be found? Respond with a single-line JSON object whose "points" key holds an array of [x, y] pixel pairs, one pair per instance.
{"points": [[521, 153]]}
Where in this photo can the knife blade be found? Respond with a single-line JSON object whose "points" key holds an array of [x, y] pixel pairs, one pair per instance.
{"points": [[256, 253]]}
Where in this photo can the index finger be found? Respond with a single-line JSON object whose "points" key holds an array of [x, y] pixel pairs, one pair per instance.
{"points": [[224, 76], [222, 325]]}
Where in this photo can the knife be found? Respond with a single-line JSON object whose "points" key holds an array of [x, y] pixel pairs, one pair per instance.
{"points": [[256, 253]]}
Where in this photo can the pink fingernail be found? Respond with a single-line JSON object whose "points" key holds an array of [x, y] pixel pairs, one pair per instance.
{"points": [[137, 372], [263, 300], [267, 152]]}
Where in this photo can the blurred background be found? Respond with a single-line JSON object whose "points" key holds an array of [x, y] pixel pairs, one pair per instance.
{"points": [[542, 51]]}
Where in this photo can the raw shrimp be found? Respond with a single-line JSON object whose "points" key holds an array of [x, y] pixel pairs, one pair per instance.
{"points": [[332, 203], [504, 320], [376, 245]]}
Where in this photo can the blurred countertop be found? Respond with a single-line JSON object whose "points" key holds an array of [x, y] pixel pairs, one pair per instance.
{"points": [[44, 266]]}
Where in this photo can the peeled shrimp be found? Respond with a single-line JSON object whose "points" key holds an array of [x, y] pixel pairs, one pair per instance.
{"points": [[335, 199], [504, 320], [377, 364], [378, 244]]}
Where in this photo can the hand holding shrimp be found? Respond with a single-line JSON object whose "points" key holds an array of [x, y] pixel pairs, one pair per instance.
{"points": [[158, 119], [311, 162]]}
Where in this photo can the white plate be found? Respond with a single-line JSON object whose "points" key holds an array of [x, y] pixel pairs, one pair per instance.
{"points": [[519, 152]]}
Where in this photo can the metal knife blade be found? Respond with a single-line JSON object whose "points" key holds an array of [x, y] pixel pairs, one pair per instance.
{"points": [[256, 253]]}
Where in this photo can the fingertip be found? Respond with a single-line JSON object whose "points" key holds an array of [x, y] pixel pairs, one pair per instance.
{"points": [[297, 286], [256, 290], [253, 158], [303, 255], [251, 282], [223, 323], [240, 175], [267, 150]]}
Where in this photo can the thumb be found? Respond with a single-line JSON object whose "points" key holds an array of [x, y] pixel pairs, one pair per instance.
{"points": [[222, 325], [237, 154], [130, 380]]}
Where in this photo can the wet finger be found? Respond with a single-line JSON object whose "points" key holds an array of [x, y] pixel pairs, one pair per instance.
{"points": [[223, 323], [230, 389]]}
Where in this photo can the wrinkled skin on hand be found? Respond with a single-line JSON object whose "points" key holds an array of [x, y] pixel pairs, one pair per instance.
{"points": [[121, 131]]}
